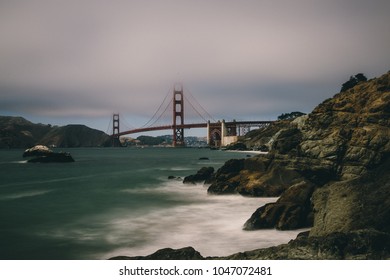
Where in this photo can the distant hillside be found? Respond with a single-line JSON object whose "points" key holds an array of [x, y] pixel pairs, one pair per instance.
{"points": [[17, 132], [75, 136]]}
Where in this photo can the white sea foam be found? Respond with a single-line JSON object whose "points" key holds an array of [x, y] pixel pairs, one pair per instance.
{"points": [[20, 161], [211, 224]]}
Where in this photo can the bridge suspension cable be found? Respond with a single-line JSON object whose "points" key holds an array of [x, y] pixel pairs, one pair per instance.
{"points": [[158, 109], [200, 106], [163, 112], [199, 114]]}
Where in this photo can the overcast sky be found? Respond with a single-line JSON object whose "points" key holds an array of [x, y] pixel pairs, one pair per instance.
{"points": [[79, 61]]}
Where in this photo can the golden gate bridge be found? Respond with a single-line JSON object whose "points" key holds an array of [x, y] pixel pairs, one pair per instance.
{"points": [[219, 133]]}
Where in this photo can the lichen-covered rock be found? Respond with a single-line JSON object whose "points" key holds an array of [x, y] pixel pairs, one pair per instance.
{"points": [[352, 129]]}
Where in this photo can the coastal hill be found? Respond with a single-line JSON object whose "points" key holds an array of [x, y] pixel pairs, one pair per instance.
{"points": [[17, 132], [330, 170]]}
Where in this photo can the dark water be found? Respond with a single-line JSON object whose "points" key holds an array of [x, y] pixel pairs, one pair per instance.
{"points": [[119, 202]]}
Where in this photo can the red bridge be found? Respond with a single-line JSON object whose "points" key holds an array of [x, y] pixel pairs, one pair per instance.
{"points": [[219, 133]]}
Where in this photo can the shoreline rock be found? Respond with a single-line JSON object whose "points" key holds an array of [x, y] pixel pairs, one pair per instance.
{"points": [[293, 210], [203, 175], [355, 245]]}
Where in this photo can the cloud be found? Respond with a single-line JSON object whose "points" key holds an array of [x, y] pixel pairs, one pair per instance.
{"points": [[241, 57]]}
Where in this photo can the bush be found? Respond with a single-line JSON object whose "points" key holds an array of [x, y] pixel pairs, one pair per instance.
{"points": [[353, 81], [290, 116]]}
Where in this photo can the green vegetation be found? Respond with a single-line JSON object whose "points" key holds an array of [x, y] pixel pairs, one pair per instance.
{"points": [[353, 81], [290, 116]]}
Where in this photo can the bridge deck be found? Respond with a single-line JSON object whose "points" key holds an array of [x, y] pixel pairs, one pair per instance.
{"points": [[188, 126]]}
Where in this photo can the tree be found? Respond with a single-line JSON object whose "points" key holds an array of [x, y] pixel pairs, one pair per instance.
{"points": [[353, 81], [290, 116]]}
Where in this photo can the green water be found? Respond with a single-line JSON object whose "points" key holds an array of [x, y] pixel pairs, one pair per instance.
{"points": [[119, 202]]}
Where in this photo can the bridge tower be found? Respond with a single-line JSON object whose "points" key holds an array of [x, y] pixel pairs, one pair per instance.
{"points": [[178, 117], [115, 131]]}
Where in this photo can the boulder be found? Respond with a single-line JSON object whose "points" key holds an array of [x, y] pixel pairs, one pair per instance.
{"points": [[204, 174], [292, 210], [44, 155]]}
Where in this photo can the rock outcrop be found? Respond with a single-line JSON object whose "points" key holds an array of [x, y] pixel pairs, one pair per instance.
{"points": [[354, 245], [203, 175], [257, 176], [292, 210], [339, 152]]}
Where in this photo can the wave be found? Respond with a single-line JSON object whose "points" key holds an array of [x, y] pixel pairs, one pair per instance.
{"points": [[212, 224], [24, 194]]}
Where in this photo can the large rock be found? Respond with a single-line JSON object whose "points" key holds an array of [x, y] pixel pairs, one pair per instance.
{"points": [[225, 181], [354, 204], [204, 174], [292, 210], [43, 154], [267, 175], [36, 151]]}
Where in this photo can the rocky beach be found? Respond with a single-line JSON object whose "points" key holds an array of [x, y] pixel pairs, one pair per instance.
{"points": [[330, 170]]}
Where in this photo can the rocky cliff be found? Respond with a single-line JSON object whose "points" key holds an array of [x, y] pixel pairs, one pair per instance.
{"points": [[17, 132], [331, 165]]}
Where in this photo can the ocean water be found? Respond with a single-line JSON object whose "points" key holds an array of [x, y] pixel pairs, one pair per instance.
{"points": [[115, 201]]}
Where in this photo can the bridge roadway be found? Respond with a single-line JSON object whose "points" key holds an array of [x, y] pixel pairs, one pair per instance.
{"points": [[188, 126]]}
